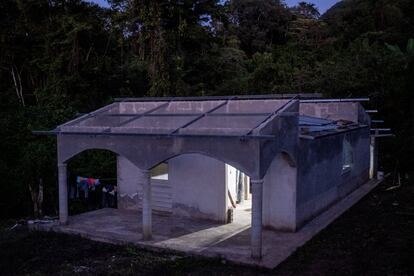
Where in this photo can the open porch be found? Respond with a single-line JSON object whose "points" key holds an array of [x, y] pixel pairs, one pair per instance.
{"points": [[202, 237]]}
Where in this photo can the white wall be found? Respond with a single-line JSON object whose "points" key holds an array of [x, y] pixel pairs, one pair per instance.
{"points": [[196, 187], [199, 189], [130, 188], [231, 183], [279, 195]]}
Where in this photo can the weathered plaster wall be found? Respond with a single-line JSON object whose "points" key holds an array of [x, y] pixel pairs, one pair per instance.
{"points": [[130, 188], [199, 189], [321, 180], [128, 178], [279, 195]]}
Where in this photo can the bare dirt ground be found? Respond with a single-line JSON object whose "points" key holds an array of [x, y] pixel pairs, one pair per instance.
{"points": [[375, 237]]}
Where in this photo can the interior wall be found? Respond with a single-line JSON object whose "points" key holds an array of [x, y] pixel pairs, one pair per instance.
{"points": [[199, 189], [231, 182], [279, 195], [130, 179], [321, 178]]}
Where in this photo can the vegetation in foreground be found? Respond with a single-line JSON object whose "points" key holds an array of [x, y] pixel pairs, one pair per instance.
{"points": [[375, 237]]}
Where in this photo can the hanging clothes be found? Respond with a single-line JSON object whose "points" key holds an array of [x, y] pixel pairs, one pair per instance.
{"points": [[86, 183]]}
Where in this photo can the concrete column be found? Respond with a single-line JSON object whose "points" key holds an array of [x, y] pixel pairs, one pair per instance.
{"points": [[257, 211], [146, 206], [373, 158], [246, 187], [63, 193], [240, 187]]}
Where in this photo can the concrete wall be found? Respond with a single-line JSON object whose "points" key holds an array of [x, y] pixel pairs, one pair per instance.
{"points": [[130, 188], [196, 187], [321, 179], [333, 111], [199, 189], [279, 195], [231, 181]]}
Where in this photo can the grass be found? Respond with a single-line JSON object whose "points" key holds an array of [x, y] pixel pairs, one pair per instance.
{"points": [[375, 237]]}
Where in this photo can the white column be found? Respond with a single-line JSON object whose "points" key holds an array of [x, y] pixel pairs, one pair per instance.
{"points": [[146, 206], [257, 211], [373, 158], [63, 194]]}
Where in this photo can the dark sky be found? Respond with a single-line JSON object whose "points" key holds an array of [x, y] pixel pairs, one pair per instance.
{"points": [[322, 5]]}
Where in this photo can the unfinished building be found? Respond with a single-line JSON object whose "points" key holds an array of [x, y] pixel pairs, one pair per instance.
{"points": [[283, 160]]}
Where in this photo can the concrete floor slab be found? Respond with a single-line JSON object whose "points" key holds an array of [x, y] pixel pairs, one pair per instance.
{"points": [[201, 237]]}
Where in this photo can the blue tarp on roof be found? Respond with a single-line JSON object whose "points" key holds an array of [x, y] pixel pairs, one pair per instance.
{"points": [[313, 124]]}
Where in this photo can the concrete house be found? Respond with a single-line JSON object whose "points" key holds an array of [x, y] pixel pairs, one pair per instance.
{"points": [[271, 163]]}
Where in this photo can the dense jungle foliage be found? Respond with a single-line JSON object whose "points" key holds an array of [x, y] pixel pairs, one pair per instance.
{"points": [[59, 58]]}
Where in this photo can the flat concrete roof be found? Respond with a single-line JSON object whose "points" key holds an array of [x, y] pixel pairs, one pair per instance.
{"points": [[241, 116]]}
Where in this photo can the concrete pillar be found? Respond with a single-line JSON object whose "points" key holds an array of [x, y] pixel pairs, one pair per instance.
{"points": [[63, 193], [146, 206], [240, 187], [373, 158], [246, 187], [257, 211]]}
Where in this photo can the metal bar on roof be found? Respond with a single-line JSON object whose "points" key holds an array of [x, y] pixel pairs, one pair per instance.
{"points": [[212, 98], [137, 116], [380, 129], [308, 137], [186, 114], [383, 135], [335, 100], [89, 115], [201, 116], [377, 121], [371, 111], [270, 115], [154, 114], [238, 114], [167, 135]]}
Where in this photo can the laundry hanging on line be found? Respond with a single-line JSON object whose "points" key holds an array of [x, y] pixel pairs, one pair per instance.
{"points": [[86, 183]]}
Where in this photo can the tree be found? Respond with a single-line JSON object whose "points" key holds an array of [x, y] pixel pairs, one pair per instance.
{"points": [[307, 10], [259, 24], [168, 31]]}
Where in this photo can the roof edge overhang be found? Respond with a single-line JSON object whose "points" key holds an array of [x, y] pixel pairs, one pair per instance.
{"points": [[217, 98], [57, 132]]}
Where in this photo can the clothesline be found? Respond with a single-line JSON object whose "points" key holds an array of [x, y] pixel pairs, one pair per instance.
{"points": [[107, 178], [103, 178]]}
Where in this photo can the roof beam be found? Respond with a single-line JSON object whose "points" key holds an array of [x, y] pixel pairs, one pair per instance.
{"points": [[186, 114], [201, 116], [217, 98], [270, 115], [58, 132], [142, 114], [383, 135], [380, 129], [89, 115], [335, 100]]}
